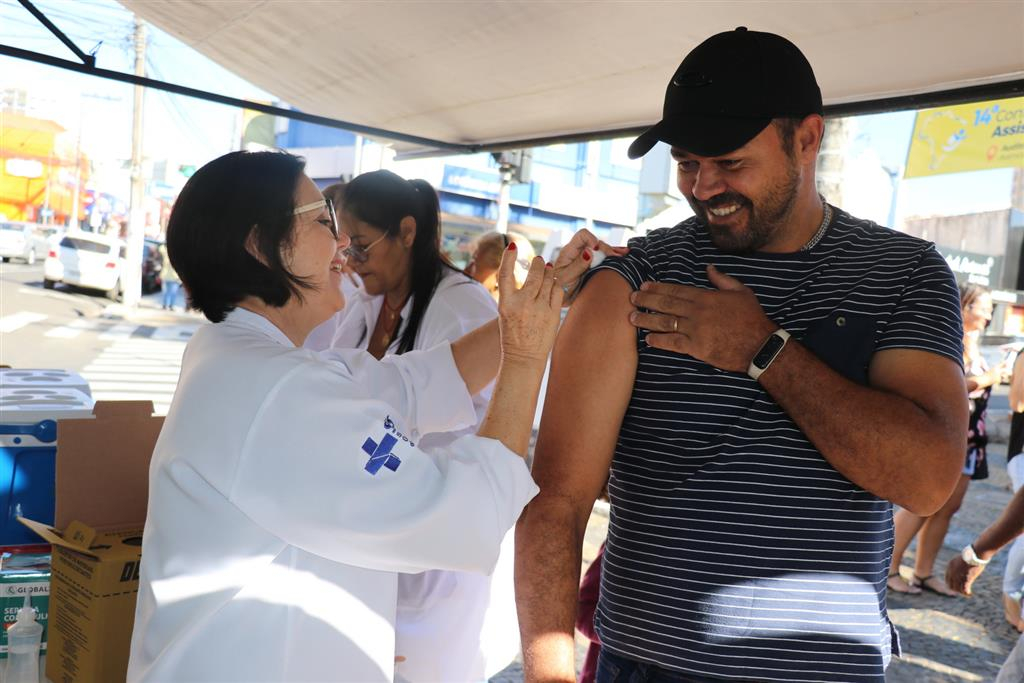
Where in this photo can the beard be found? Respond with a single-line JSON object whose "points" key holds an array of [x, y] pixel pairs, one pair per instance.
{"points": [[766, 216]]}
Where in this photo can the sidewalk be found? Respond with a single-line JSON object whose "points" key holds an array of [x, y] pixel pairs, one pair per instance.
{"points": [[945, 640]]}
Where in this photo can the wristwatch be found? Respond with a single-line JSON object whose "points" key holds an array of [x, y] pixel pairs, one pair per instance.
{"points": [[768, 352], [970, 557]]}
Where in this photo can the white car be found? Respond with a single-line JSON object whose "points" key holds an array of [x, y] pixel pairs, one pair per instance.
{"points": [[24, 241], [86, 259]]}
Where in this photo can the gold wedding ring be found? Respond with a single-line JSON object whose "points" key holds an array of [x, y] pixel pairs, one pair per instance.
{"points": [[675, 324]]}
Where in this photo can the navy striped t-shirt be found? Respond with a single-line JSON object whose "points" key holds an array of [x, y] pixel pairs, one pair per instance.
{"points": [[735, 551]]}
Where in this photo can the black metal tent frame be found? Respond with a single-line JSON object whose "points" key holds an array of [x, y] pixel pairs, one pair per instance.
{"points": [[431, 147]]}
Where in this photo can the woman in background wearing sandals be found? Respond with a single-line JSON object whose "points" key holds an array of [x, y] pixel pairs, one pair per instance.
{"points": [[976, 307]]}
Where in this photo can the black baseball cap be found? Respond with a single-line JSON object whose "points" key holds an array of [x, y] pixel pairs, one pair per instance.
{"points": [[728, 89]]}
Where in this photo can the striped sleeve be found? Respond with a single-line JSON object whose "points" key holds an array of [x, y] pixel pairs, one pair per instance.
{"points": [[927, 317]]}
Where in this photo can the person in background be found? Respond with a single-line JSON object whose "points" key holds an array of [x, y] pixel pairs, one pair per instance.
{"points": [[486, 256], [414, 298], [1013, 578], [289, 489], [964, 569], [976, 308], [170, 279], [321, 337]]}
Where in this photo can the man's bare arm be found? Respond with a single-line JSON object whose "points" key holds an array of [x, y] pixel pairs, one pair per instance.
{"points": [[902, 438], [960, 576], [592, 373]]}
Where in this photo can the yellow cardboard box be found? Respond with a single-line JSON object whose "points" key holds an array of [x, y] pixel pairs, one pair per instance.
{"points": [[102, 488]]}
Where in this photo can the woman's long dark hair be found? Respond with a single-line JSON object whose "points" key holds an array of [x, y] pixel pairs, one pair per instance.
{"points": [[383, 199]]}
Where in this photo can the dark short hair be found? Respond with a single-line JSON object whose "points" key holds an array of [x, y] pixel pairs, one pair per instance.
{"points": [[383, 199], [335, 192], [238, 195], [786, 127]]}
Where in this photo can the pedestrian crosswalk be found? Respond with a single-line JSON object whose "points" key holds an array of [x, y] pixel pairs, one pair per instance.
{"points": [[136, 369], [110, 330], [15, 321], [139, 362]]}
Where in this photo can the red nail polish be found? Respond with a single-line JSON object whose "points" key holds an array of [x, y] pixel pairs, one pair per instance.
{"points": [[586, 255], [511, 246], [547, 265]]}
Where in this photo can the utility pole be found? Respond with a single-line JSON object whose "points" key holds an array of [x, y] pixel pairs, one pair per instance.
{"points": [[77, 198], [514, 167], [131, 279], [504, 198]]}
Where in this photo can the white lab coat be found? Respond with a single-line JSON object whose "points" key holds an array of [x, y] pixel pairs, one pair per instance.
{"points": [[320, 338], [452, 627], [286, 494]]}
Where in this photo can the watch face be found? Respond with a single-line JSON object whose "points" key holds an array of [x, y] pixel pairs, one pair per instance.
{"points": [[771, 347]]}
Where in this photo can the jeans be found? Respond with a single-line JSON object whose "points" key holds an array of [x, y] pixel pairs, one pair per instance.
{"points": [[171, 288], [611, 668], [1013, 578]]}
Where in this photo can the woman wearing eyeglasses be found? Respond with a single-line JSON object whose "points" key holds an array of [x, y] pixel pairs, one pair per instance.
{"points": [[413, 298], [288, 489]]}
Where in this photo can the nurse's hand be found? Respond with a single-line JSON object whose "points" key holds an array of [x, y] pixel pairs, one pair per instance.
{"points": [[528, 316], [576, 257]]}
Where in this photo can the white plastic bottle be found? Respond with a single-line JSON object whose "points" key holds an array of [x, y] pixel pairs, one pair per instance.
{"points": [[23, 638]]}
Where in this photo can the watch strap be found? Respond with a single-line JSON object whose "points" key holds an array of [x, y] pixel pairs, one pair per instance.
{"points": [[970, 557], [769, 351]]}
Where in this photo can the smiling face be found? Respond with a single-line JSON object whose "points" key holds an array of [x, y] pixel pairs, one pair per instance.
{"points": [[315, 254], [745, 197], [389, 259]]}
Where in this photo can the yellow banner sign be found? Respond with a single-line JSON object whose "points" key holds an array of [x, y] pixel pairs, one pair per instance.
{"points": [[967, 137]]}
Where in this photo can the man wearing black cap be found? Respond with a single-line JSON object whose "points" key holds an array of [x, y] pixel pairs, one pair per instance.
{"points": [[762, 380]]}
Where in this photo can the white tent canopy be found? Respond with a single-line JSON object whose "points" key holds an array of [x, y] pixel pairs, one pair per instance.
{"points": [[486, 72]]}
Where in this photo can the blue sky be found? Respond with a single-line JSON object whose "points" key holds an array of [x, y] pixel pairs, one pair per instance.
{"points": [[193, 130]]}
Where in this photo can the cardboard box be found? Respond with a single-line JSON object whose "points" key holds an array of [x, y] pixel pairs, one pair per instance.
{"points": [[24, 571], [102, 487]]}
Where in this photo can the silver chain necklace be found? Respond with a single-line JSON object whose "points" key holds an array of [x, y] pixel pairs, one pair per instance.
{"points": [[825, 220]]}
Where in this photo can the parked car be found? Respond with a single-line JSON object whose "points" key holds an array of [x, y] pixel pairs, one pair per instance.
{"points": [[24, 241], [152, 266], [89, 260]]}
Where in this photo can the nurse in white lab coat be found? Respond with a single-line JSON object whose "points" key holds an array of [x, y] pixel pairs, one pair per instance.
{"points": [[413, 298], [287, 488]]}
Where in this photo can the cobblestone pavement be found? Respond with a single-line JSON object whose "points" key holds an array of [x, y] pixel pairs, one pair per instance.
{"points": [[945, 640]]}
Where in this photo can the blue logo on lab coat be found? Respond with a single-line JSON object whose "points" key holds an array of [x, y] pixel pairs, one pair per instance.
{"points": [[381, 455]]}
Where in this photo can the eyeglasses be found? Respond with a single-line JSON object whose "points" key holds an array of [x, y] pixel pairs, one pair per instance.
{"points": [[361, 254], [333, 217]]}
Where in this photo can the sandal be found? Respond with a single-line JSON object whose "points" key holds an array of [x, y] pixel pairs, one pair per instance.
{"points": [[921, 582], [902, 585]]}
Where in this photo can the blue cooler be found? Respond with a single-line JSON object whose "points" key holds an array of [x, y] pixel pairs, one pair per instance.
{"points": [[31, 402]]}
